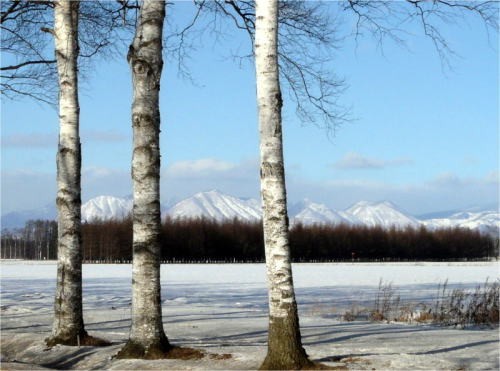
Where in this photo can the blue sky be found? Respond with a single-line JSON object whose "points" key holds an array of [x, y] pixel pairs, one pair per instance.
{"points": [[424, 136]]}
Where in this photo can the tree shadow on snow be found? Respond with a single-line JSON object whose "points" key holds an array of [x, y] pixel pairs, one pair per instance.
{"points": [[250, 338], [67, 362], [211, 316], [363, 333], [339, 358], [457, 347], [27, 327]]}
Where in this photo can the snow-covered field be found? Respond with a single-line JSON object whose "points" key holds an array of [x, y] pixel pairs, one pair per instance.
{"points": [[222, 309]]}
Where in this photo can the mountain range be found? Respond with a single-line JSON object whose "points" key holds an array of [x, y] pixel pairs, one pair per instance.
{"points": [[219, 206]]}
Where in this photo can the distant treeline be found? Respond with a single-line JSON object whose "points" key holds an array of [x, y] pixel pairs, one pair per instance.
{"points": [[204, 240], [36, 241]]}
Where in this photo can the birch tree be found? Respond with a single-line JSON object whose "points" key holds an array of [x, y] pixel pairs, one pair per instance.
{"points": [[68, 327], [314, 91], [27, 27], [285, 349], [147, 337]]}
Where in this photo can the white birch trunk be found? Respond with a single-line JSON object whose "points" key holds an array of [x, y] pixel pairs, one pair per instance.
{"points": [[147, 337], [284, 343], [68, 325]]}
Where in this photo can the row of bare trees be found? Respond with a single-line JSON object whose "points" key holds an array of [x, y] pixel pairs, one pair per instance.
{"points": [[283, 34], [203, 240], [37, 241]]}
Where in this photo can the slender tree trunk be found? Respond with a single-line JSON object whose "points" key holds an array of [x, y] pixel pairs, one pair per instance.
{"points": [[285, 349], [147, 337], [68, 325]]}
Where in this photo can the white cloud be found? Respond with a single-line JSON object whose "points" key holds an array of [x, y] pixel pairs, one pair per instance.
{"points": [[354, 161], [197, 168]]}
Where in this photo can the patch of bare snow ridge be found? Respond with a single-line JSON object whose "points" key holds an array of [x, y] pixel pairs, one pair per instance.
{"points": [[222, 309]]}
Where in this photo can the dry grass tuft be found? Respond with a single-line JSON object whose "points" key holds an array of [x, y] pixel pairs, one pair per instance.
{"points": [[458, 307], [465, 308]]}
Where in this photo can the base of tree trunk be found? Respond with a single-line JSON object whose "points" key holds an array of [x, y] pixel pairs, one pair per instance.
{"points": [[303, 364], [73, 339], [157, 350], [285, 351], [298, 362], [136, 350], [161, 349]]}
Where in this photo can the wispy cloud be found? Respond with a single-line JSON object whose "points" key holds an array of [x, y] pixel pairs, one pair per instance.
{"points": [[98, 181], [31, 189], [27, 189], [356, 161], [104, 136], [444, 192], [31, 140], [197, 168], [49, 140], [493, 177], [450, 180], [184, 178], [180, 179]]}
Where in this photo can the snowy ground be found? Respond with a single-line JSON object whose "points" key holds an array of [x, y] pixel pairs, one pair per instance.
{"points": [[222, 309]]}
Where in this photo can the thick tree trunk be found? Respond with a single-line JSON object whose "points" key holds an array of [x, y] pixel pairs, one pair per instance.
{"points": [[284, 342], [147, 338], [68, 325]]}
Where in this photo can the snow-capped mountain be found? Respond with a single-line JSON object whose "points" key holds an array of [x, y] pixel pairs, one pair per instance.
{"points": [[384, 214], [216, 205], [219, 206], [485, 221], [106, 207], [308, 213]]}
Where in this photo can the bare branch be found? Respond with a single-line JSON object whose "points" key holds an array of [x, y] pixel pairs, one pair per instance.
{"points": [[27, 42], [17, 66], [9, 11], [307, 40], [176, 43], [387, 19]]}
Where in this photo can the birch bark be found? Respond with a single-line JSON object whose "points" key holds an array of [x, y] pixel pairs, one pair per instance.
{"points": [[68, 327], [147, 337], [285, 349]]}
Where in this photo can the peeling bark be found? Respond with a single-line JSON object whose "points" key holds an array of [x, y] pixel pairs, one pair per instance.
{"points": [[285, 349], [147, 337]]}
